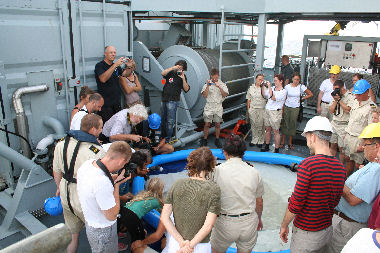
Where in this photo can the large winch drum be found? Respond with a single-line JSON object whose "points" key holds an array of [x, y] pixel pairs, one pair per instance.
{"points": [[199, 64]]}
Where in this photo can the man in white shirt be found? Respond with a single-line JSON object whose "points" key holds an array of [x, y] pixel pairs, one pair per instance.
{"points": [[98, 193], [324, 96], [119, 127], [95, 103]]}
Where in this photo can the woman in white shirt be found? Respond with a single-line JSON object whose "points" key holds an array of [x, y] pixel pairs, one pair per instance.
{"points": [[273, 111], [292, 107]]}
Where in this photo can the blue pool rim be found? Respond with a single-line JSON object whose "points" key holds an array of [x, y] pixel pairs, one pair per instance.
{"points": [[153, 217]]}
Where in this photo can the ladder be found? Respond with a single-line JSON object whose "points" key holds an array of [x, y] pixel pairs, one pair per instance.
{"points": [[222, 36]]}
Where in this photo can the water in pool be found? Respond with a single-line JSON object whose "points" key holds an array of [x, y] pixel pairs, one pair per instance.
{"points": [[278, 185]]}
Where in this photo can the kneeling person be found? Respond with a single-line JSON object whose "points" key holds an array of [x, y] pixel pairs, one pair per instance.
{"points": [[214, 91], [152, 136]]}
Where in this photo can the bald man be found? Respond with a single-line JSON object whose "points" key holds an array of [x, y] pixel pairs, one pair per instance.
{"points": [[107, 74]]}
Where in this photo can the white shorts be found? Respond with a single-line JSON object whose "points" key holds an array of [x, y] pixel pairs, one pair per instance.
{"points": [[172, 246]]}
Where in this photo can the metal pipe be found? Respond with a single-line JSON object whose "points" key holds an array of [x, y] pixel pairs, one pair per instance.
{"points": [[56, 125], [221, 39], [236, 95], [183, 141], [15, 157], [104, 23], [81, 42], [20, 114], [64, 60]]}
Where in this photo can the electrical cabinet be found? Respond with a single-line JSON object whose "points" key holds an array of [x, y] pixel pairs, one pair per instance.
{"points": [[349, 54]]}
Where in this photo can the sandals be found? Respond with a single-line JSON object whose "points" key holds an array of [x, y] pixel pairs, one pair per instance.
{"points": [[291, 146]]}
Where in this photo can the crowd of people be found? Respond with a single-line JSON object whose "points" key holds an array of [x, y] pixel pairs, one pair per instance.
{"points": [[335, 204]]}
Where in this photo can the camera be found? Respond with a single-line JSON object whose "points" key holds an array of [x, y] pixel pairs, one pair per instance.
{"points": [[211, 84], [129, 169], [264, 83], [336, 92], [179, 73]]}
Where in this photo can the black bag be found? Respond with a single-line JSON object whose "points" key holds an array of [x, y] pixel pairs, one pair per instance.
{"points": [[300, 112]]}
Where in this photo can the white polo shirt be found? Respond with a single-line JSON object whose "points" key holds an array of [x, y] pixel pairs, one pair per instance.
{"points": [[95, 192], [77, 119], [280, 95]]}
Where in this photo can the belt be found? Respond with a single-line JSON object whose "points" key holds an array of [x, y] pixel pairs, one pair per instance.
{"points": [[325, 102], [234, 215], [344, 217], [341, 123]]}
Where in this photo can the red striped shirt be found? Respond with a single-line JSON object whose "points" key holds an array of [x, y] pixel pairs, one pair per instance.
{"points": [[319, 186]]}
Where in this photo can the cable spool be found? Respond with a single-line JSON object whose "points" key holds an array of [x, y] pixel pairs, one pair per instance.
{"points": [[199, 63]]}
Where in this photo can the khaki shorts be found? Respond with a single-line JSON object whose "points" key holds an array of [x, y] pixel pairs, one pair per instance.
{"points": [[307, 241], [273, 119], [343, 231], [241, 230], [338, 135], [74, 222], [325, 111], [211, 117], [351, 143]]}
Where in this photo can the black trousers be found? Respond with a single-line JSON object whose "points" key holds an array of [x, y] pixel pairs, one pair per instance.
{"points": [[108, 111]]}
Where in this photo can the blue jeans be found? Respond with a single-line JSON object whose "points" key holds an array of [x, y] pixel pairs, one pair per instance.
{"points": [[168, 117]]}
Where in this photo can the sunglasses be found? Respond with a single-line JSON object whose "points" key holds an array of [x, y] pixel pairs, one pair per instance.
{"points": [[369, 144]]}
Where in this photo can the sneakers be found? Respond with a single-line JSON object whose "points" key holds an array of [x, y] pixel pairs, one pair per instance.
{"points": [[203, 142], [276, 150], [122, 235], [217, 143], [122, 246], [251, 144]]}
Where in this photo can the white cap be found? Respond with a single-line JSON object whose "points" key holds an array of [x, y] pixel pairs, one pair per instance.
{"points": [[317, 123]]}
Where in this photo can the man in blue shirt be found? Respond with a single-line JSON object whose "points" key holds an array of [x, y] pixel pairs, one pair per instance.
{"points": [[359, 193]]}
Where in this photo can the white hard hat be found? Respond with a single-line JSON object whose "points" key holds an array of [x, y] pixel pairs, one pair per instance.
{"points": [[317, 123]]}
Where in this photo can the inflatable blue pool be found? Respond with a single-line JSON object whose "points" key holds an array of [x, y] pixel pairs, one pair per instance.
{"points": [[153, 217]]}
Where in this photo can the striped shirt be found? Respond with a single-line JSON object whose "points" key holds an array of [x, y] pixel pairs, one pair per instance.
{"points": [[319, 186]]}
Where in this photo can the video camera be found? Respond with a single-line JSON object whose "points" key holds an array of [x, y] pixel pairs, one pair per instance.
{"points": [[336, 92]]}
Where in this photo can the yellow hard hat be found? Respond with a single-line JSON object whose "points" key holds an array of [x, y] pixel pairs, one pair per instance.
{"points": [[335, 69], [371, 131]]}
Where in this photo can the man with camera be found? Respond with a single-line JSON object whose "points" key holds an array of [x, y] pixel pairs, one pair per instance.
{"points": [[119, 126], [340, 109], [69, 154], [324, 96], [107, 75], [214, 91], [98, 192], [174, 82]]}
